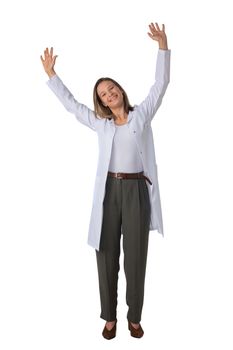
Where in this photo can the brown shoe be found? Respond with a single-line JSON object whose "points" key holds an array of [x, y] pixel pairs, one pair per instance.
{"points": [[135, 332], [109, 334]]}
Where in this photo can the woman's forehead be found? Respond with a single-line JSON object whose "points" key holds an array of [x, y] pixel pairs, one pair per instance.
{"points": [[104, 85]]}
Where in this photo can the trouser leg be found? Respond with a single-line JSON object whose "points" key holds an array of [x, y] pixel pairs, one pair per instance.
{"points": [[109, 252], [135, 230]]}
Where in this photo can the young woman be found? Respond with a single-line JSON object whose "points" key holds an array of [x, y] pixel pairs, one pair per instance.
{"points": [[126, 200]]}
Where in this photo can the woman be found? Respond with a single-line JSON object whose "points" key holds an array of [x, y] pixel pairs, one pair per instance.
{"points": [[126, 197]]}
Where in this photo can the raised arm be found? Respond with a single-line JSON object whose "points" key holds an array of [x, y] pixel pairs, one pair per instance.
{"points": [[83, 114], [149, 106]]}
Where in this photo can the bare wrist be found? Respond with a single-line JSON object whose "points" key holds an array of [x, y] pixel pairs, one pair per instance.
{"points": [[163, 45], [51, 73]]}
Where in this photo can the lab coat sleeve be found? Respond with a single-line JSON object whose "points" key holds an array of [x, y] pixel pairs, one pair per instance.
{"points": [[150, 105], [83, 114]]}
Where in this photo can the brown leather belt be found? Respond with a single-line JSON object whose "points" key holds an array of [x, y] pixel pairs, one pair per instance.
{"points": [[129, 176]]}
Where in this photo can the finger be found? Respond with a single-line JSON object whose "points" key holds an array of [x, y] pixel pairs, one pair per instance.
{"points": [[151, 36], [51, 51], [153, 26], [54, 59], [41, 58], [157, 26], [152, 29], [163, 27]]}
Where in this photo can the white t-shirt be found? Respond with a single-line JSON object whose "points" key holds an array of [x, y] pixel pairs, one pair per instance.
{"points": [[125, 157]]}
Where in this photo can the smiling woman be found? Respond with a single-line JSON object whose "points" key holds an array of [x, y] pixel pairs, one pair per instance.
{"points": [[126, 201], [111, 100]]}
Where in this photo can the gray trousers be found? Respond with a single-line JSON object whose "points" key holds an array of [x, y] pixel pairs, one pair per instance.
{"points": [[126, 213]]}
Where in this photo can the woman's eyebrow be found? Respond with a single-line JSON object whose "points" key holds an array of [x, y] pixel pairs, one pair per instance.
{"points": [[111, 84]]}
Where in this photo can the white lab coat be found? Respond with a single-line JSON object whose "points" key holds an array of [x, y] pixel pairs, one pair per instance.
{"points": [[139, 124]]}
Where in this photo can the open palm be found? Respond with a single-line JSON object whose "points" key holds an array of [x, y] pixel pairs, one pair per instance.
{"points": [[49, 60], [156, 33]]}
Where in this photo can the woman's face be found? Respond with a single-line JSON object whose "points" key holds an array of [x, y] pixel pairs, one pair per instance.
{"points": [[110, 95]]}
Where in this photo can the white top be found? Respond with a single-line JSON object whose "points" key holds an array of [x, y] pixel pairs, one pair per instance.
{"points": [[125, 157]]}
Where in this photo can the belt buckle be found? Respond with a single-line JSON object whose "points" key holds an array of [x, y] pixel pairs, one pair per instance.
{"points": [[119, 176]]}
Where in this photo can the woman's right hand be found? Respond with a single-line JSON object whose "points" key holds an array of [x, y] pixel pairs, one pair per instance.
{"points": [[49, 61]]}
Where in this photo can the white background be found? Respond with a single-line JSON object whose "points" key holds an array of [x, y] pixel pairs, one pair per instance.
{"points": [[49, 295]]}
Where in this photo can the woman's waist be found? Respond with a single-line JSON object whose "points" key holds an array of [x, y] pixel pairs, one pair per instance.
{"points": [[124, 175]]}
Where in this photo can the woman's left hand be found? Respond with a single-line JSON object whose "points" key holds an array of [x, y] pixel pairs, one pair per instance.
{"points": [[158, 34]]}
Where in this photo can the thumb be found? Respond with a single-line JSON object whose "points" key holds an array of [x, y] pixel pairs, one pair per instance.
{"points": [[54, 59]]}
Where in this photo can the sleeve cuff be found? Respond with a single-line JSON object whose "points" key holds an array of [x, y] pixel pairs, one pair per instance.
{"points": [[164, 52], [54, 77]]}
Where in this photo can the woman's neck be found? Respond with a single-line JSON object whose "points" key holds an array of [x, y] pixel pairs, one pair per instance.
{"points": [[119, 114]]}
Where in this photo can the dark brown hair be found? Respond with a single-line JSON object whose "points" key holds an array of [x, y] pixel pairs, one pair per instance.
{"points": [[100, 109]]}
